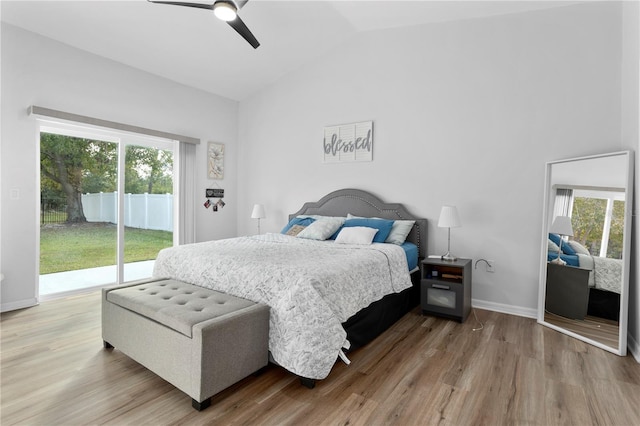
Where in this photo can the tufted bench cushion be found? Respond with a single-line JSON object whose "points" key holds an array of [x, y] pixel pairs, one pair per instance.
{"points": [[176, 304]]}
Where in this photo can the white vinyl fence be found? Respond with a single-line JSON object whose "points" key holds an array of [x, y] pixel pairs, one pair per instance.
{"points": [[145, 211]]}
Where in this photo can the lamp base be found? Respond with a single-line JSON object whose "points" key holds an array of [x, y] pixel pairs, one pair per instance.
{"points": [[449, 257], [558, 261]]}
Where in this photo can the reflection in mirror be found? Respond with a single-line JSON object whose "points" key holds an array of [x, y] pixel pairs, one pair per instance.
{"points": [[584, 273]]}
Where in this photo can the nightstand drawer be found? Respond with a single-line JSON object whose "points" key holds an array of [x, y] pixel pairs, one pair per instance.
{"points": [[441, 297]]}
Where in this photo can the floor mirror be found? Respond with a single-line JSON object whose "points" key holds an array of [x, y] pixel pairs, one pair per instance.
{"points": [[585, 250]]}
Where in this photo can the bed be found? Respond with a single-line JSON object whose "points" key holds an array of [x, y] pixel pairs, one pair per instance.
{"points": [[327, 293], [605, 275]]}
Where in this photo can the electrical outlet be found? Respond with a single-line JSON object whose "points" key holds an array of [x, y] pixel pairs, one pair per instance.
{"points": [[491, 266]]}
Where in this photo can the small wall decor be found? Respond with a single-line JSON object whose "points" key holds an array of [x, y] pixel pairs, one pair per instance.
{"points": [[348, 142], [214, 193], [215, 160]]}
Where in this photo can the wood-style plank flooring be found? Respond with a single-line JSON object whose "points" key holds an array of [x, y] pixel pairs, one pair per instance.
{"points": [[424, 370], [598, 329]]}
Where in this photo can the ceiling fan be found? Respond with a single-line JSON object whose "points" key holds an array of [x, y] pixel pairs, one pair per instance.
{"points": [[225, 10]]}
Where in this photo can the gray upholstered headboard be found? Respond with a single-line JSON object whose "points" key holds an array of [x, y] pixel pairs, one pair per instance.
{"points": [[362, 203]]}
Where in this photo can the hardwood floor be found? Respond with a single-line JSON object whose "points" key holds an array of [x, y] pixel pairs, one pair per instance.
{"points": [[598, 329], [424, 370]]}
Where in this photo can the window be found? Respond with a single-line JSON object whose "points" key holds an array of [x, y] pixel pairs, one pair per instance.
{"points": [[597, 218]]}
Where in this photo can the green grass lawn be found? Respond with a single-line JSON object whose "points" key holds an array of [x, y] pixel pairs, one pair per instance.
{"points": [[72, 247]]}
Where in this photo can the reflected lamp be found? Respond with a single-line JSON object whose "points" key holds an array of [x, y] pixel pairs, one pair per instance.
{"points": [[562, 226]]}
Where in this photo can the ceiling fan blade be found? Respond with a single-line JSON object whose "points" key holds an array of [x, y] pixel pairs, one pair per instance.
{"points": [[179, 3], [242, 29]]}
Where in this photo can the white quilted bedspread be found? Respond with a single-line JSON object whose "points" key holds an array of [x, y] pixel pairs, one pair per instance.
{"points": [[310, 286]]}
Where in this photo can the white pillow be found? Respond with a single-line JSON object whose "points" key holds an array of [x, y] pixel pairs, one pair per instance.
{"points": [[551, 246], [399, 231], [322, 228], [578, 248], [356, 235]]}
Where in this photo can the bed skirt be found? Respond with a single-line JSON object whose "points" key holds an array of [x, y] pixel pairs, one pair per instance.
{"points": [[372, 321]]}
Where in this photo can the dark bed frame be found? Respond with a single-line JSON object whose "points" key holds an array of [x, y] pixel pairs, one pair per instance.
{"points": [[372, 321]]}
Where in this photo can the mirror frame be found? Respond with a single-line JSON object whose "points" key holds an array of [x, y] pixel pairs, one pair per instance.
{"points": [[549, 199]]}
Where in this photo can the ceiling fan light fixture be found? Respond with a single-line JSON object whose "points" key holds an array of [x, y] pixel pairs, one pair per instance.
{"points": [[225, 11]]}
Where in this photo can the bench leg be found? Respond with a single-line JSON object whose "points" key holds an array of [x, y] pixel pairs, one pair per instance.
{"points": [[107, 345], [200, 405]]}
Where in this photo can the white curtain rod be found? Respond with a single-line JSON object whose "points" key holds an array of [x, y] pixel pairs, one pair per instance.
{"points": [[52, 113]]}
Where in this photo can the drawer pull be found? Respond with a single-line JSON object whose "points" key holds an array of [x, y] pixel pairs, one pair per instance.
{"points": [[440, 286]]}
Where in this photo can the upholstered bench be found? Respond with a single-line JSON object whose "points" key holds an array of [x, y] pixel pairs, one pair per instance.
{"points": [[199, 340]]}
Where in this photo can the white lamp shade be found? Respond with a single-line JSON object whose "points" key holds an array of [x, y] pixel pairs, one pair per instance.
{"points": [[449, 217], [562, 225], [258, 212]]}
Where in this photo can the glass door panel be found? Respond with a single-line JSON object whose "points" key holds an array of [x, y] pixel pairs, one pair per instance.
{"points": [[148, 207], [78, 212]]}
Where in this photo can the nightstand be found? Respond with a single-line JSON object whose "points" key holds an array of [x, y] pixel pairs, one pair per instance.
{"points": [[567, 292], [445, 288]]}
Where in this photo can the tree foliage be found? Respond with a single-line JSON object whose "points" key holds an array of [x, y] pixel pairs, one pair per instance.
{"points": [[587, 220], [71, 166], [148, 170]]}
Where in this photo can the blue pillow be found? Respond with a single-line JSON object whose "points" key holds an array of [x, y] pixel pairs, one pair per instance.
{"points": [[303, 221], [566, 248], [382, 225]]}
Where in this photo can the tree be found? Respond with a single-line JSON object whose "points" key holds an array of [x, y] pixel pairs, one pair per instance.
{"points": [[70, 163], [587, 221], [616, 233], [148, 170]]}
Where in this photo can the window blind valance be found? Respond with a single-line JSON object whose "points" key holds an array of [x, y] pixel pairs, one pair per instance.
{"points": [[52, 113]]}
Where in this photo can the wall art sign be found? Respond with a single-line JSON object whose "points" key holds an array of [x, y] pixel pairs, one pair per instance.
{"points": [[348, 142], [215, 160]]}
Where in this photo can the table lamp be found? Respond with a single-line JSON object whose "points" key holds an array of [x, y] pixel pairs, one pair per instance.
{"points": [[258, 213], [562, 226], [449, 219]]}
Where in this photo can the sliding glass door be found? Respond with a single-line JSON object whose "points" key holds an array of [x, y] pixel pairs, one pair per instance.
{"points": [[106, 206], [148, 207]]}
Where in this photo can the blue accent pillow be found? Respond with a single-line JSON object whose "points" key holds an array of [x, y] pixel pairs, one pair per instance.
{"points": [[566, 248], [382, 225], [306, 221]]}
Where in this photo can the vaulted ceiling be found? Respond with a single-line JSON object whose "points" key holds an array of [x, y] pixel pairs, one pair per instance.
{"points": [[192, 47]]}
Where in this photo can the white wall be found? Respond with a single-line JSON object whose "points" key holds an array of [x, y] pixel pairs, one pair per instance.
{"points": [[39, 71], [465, 113]]}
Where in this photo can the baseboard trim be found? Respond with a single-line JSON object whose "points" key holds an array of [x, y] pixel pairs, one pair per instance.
{"points": [[18, 304], [505, 309]]}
